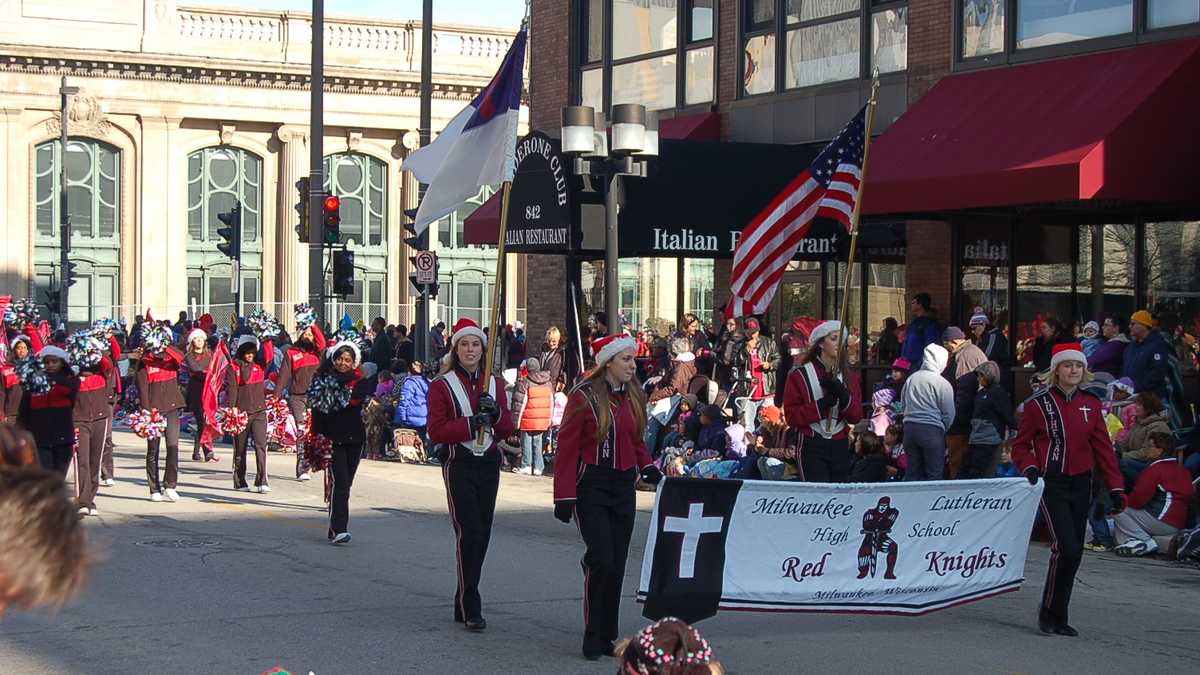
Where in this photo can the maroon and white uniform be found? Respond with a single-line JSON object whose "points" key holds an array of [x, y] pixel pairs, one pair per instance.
{"points": [[876, 528]]}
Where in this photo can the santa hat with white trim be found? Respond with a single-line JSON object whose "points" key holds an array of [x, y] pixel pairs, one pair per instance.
{"points": [[607, 347], [1068, 351], [196, 333], [824, 329], [466, 327], [56, 352]]}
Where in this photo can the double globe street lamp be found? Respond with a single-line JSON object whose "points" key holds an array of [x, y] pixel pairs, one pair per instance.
{"points": [[585, 138]]}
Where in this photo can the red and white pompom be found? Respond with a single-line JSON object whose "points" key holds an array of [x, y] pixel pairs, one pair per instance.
{"points": [[277, 411], [147, 424], [318, 449], [231, 421]]}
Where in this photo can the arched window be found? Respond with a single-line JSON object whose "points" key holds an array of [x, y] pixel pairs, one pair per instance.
{"points": [[361, 183], [218, 178], [94, 208]]}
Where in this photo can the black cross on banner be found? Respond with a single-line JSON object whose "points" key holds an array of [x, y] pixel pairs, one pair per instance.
{"points": [[688, 557]]}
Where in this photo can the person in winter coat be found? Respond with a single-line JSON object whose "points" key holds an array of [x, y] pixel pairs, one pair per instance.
{"points": [[197, 359], [1062, 439], [991, 418], [990, 339], [92, 417], [965, 357], [11, 392], [300, 363], [723, 354], [1109, 356], [412, 410], [759, 361], [468, 413], [1137, 450], [532, 405], [1158, 505], [245, 387], [683, 369], [553, 358], [711, 441], [344, 427], [1147, 360], [871, 459], [928, 413], [601, 454], [1052, 334], [776, 456], [49, 416], [887, 348], [1091, 338], [820, 408], [158, 385], [923, 330]]}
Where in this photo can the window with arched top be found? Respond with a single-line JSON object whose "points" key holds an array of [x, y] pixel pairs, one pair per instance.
{"points": [[93, 187], [361, 183], [218, 178]]}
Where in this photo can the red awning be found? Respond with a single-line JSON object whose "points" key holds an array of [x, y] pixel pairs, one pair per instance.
{"points": [[483, 225], [1118, 125]]}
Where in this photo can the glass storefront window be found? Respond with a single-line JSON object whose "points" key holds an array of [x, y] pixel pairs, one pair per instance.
{"points": [[1044, 272], [1050, 22], [982, 27], [650, 82], [699, 294], [759, 75], [641, 27], [699, 84], [886, 299], [1105, 275], [986, 255], [1172, 269], [889, 40], [835, 294], [1166, 13], [826, 52]]}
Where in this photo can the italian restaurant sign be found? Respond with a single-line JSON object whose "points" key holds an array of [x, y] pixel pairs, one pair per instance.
{"points": [[540, 218]]}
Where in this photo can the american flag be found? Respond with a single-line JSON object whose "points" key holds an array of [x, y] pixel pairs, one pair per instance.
{"points": [[828, 188]]}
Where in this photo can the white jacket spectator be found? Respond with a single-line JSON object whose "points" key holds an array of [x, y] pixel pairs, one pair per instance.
{"points": [[928, 397]]}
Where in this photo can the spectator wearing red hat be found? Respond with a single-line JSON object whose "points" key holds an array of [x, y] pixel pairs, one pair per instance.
{"points": [[1062, 438], [600, 456], [468, 413]]}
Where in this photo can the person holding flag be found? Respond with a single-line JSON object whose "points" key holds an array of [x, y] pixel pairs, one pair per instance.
{"points": [[468, 413], [198, 359], [599, 459], [821, 403], [300, 364]]}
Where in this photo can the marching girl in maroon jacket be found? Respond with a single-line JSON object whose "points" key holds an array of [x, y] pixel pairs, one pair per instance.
{"points": [[93, 414], [245, 386], [1062, 438], [344, 427], [823, 408], [464, 400], [300, 364], [197, 359], [49, 416], [600, 455], [158, 386]]}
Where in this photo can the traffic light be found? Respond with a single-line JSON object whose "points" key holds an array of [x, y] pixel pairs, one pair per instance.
{"points": [[333, 221], [302, 210], [418, 242], [343, 272], [232, 232], [71, 277]]}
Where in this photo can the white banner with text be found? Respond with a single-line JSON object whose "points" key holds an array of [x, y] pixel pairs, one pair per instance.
{"points": [[890, 548]]}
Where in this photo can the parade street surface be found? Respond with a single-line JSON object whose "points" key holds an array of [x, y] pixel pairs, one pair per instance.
{"points": [[238, 583]]}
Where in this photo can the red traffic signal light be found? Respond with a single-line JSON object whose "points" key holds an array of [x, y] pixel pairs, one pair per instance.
{"points": [[333, 220], [332, 203]]}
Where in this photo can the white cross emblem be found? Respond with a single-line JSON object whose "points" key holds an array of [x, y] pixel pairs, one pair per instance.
{"points": [[1085, 410], [693, 527]]}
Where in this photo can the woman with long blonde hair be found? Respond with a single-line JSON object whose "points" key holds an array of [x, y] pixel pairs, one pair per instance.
{"points": [[600, 457]]}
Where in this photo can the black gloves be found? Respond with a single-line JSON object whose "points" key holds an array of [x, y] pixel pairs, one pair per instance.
{"points": [[564, 509], [489, 407], [651, 474], [1031, 475], [835, 392], [478, 421], [1117, 499]]}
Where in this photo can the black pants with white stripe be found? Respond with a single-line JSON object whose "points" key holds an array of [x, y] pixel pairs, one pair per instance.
{"points": [[1065, 508], [605, 506], [471, 486], [344, 464]]}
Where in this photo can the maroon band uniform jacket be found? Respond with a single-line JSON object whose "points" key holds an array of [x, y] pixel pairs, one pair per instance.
{"points": [[448, 424], [1066, 436], [622, 449]]}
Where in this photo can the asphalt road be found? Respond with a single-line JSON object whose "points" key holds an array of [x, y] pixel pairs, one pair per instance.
{"points": [[231, 582]]}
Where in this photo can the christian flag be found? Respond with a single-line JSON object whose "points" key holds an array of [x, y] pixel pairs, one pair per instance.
{"points": [[882, 548]]}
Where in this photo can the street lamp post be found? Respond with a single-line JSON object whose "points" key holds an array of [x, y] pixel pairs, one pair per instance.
{"points": [[634, 139]]}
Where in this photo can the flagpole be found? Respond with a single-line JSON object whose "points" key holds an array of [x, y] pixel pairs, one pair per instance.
{"points": [[854, 218]]}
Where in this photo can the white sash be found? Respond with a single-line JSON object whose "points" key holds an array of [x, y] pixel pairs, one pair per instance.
{"points": [[465, 409], [824, 428]]}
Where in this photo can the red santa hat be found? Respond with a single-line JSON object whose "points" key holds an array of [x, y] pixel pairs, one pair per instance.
{"points": [[610, 345], [466, 327], [1068, 351]]}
